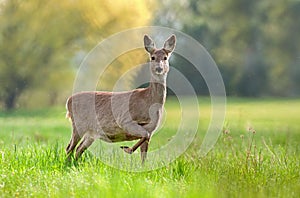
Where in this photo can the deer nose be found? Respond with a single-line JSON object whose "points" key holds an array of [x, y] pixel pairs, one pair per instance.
{"points": [[158, 69]]}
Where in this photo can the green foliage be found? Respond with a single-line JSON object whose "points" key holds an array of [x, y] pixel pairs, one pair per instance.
{"points": [[38, 40], [257, 155], [35, 40], [255, 43]]}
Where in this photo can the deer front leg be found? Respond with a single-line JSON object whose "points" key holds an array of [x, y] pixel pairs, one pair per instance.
{"points": [[137, 145], [144, 149], [135, 130]]}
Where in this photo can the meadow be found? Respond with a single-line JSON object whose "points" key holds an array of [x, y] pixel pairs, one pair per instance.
{"points": [[257, 155]]}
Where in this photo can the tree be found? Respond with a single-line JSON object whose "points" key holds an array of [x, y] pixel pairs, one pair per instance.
{"points": [[39, 38], [255, 43], [238, 25], [283, 50], [34, 39]]}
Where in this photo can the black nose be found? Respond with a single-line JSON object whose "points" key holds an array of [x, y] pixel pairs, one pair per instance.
{"points": [[158, 69]]}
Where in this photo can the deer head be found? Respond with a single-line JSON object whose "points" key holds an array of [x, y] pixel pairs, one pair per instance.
{"points": [[159, 58]]}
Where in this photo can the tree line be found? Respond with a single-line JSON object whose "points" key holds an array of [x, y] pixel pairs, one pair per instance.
{"points": [[255, 44], [39, 40]]}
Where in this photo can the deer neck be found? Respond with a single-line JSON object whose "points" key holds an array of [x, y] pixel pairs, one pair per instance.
{"points": [[158, 88]]}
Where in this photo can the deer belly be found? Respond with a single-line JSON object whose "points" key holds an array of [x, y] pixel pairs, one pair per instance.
{"points": [[117, 135], [122, 137]]}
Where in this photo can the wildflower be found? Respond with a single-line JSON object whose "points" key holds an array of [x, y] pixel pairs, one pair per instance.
{"points": [[226, 131]]}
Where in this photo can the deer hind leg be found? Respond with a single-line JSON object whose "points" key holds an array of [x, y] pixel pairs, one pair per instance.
{"points": [[73, 142], [144, 149], [85, 143]]}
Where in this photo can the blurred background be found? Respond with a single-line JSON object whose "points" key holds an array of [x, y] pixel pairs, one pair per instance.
{"points": [[255, 44]]}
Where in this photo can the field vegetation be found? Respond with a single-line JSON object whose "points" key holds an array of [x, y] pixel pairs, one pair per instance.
{"points": [[257, 155]]}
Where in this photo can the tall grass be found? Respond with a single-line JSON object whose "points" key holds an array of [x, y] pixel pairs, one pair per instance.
{"points": [[257, 155]]}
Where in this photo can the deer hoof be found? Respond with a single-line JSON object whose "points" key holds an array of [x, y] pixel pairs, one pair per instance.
{"points": [[126, 149]]}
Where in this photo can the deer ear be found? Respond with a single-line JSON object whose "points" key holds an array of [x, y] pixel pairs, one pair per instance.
{"points": [[149, 44], [170, 44]]}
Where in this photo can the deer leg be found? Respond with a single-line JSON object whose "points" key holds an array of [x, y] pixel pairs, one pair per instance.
{"points": [[73, 141], [144, 149], [137, 145], [135, 129], [86, 142]]}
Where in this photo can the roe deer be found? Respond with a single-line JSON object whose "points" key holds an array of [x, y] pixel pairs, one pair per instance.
{"points": [[122, 116]]}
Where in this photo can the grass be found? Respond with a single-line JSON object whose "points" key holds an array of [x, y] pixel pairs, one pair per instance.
{"points": [[257, 155]]}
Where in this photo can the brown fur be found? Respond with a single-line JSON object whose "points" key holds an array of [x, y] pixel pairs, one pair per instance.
{"points": [[121, 116]]}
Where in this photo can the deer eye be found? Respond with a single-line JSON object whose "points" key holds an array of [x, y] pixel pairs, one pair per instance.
{"points": [[152, 58], [165, 58]]}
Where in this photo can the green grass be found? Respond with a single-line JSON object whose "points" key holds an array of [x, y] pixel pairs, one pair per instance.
{"points": [[257, 155]]}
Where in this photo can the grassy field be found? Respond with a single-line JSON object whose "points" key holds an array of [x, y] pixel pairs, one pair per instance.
{"points": [[257, 155]]}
